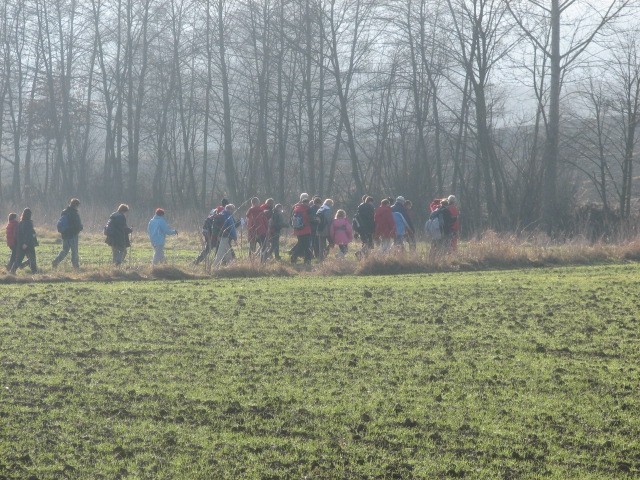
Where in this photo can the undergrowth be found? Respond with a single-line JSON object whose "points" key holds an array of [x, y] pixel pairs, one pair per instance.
{"points": [[488, 252]]}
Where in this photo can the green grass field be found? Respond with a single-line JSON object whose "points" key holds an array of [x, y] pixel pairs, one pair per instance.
{"points": [[513, 374]]}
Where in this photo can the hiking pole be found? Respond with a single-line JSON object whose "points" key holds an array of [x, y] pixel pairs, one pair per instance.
{"points": [[241, 238], [173, 248], [130, 235]]}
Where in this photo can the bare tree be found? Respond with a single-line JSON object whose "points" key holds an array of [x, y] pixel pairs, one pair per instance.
{"points": [[536, 27]]}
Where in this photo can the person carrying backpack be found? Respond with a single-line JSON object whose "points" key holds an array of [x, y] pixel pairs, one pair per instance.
{"points": [[440, 244], [324, 218], [69, 226], [301, 223], [117, 232], [399, 207], [158, 229], [210, 239], [12, 231], [224, 253], [26, 243]]}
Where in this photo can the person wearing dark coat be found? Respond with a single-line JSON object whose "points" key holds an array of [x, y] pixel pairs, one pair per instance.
{"points": [[276, 224], [26, 242], [365, 224], [118, 232], [70, 234], [441, 246]]}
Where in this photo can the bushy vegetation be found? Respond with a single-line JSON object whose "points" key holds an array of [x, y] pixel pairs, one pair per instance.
{"points": [[490, 251], [501, 374]]}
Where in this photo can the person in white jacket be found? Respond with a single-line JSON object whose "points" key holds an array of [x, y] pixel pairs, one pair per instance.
{"points": [[158, 229]]}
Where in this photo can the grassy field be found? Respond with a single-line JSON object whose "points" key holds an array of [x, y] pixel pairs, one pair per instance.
{"points": [[513, 374]]}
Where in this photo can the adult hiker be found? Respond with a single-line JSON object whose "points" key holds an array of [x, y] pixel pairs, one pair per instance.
{"points": [[224, 253], [324, 217], [158, 229], [26, 243], [385, 225], [69, 227], [364, 222], [12, 237], [399, 207], [301, 223], [253, 226], [276, 224], [117, 232], [210, 239]]}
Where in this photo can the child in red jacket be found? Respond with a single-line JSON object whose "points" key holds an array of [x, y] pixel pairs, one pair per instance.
{"points": [[12, 237]]}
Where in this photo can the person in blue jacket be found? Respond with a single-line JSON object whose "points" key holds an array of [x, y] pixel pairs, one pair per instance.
{"points": [[225, 254], [158, 229], [402, 226]]}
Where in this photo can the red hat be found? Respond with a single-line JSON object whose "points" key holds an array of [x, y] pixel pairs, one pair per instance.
{"points": [[159, 211]]}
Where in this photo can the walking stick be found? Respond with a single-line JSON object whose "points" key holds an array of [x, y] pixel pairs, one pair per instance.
{"points": [[130, 235]]}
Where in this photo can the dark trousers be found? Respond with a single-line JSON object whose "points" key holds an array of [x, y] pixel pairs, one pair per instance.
{"points": [[272, 246], [69, 244], [367, 242], [315, 244], [302, 249], [275, 245], [30, 253], [208, 246], [323, 243], [12, 258]]}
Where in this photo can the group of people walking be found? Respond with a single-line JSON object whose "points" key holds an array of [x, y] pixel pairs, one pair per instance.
{"points": [[316, 227]]}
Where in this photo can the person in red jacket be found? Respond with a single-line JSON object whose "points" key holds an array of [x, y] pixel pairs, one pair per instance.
{"points": [[301, 223], [12, 237], [252, 224], [385, 225]]}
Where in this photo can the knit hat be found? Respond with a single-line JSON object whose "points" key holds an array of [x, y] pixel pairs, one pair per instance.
{"points": [[159, 211], [304, 196]]}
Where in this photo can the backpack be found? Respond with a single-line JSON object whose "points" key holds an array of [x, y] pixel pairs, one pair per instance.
{"points": [[63, 224], [108, 228], [297, 220], [433, 227], [207, 226], [217, 224]]}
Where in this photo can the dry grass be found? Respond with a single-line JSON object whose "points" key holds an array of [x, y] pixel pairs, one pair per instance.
{"points": [[490, 251], [254, 268]]}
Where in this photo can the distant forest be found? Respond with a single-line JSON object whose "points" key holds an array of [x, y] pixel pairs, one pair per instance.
{"points": [[525, 110]]}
